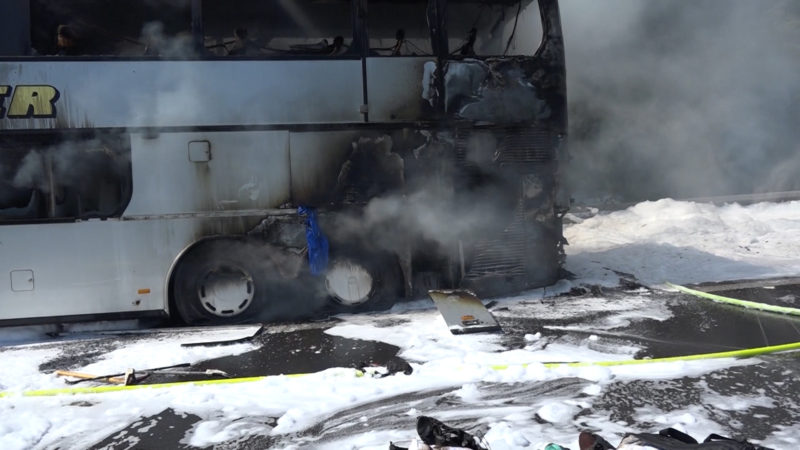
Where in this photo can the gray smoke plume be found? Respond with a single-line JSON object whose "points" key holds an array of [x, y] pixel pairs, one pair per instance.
{"points": [[682, 98]]}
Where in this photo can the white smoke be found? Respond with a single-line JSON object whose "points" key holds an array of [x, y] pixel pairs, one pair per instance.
{"points": [[682, 98]]}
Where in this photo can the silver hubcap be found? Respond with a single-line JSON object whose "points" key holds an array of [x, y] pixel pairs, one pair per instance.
{"points": [[348, 282], [226, 291]]}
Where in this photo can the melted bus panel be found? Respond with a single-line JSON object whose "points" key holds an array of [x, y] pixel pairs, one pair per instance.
{"points": [[171, 155]]}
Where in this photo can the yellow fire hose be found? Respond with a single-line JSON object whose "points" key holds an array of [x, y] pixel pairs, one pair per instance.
{"points": [[101, 389], [743, 353], [736, 301]]}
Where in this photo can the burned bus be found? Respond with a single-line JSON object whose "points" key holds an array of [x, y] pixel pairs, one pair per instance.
{"points": [[264, 160]]}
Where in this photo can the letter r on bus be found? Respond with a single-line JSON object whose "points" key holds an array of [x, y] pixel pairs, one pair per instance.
{"points": [[33, 101]]}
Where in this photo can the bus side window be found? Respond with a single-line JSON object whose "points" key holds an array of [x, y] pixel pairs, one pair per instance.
{"points": [[398, 29], [121, 28], [47, 178], [277, 29], [21, 183], [477, 28], [19, 202], [93, 176], [15, 23]]}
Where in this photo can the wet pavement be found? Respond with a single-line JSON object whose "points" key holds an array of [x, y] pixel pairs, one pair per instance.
{"points": [[164, 430], [702, 326], [303, 351], [696, 326], [776, 378]]}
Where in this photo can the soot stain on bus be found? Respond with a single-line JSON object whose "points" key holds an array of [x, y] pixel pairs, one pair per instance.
{"points": [[450, 179]]}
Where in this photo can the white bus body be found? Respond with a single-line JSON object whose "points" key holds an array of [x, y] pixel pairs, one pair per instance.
{"points": [[137, 186]]}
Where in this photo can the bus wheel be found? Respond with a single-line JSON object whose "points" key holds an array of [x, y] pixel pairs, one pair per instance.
{"points": [[220, 282], [358, 284]]}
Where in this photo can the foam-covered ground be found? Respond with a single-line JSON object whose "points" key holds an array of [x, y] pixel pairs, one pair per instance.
{"points": [[525, 405]]}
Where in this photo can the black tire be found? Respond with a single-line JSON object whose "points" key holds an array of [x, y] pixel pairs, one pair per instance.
{"points": [[222, 282], [386, 281]]}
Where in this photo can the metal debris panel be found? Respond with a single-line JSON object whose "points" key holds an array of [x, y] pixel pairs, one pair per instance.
{"points": [[463, 312]]}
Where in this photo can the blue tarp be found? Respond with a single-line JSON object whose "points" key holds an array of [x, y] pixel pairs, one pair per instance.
{"points": [[317, 242]]}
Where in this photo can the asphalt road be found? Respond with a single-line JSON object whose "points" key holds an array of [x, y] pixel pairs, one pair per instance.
{"points": [[696, 326]]}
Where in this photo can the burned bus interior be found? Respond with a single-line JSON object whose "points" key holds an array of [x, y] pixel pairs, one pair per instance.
{"points": [[264, 29]]}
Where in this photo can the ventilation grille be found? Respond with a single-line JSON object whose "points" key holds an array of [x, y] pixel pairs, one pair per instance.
{"points": [[526, 146], [514, 146], [501, 255]]}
